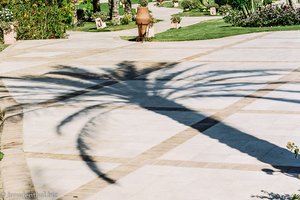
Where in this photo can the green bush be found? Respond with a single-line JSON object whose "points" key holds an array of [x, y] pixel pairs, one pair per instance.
{"points": [[42, 19], [176, 19], [187, 4], [87, 7], [225, 9], [143, 3], [198, 4], [212, 5], [102, 15], [126, 19], [265, 16], [267, 2]]}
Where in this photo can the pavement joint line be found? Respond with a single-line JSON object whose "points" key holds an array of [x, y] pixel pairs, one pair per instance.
{"points": [[88, 53], [165, 162], [173, 109], [169, 144], [70, 56], [261, 35]]}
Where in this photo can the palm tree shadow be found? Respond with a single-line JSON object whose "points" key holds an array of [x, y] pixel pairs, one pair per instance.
{"points": [[132, 85]]}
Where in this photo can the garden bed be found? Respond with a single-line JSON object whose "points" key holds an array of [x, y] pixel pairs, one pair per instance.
{"points": [[213, 29], [194, 13], [190, 13], [91, 27]]}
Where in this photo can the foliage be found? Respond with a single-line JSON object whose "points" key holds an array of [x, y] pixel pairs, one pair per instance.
{"points": [[41, 19], [115, 22], [6, 20], [176, 19], [2, 46], [212, 5], [91, 27], [266, 16], [225, 9], [212, 29], [187, 4], [102, 15], [1, 155], [198, 4], [267, 2], [126, 19], [87, 7], [6, 15], [143, 3], [294, 148]]}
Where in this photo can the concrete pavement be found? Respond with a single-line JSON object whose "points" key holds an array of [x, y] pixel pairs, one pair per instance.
{"points": [[96, 117]]}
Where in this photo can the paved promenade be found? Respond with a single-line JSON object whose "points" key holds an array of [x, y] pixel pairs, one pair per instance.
{"points": [[100, 118]]}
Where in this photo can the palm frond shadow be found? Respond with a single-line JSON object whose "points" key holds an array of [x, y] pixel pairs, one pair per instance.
{"points": [[162, 89]]}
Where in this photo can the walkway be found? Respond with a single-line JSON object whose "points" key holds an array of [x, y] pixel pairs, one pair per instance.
{"points": [[101, 118]]}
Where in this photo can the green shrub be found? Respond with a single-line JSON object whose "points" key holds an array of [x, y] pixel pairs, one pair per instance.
{"points": [[102, 15], [176, 19], [187, 4], [143, 3], [265, 16], [212, 5], [126, 19], [6, 21], [225, 9], [267, 2], [41, 20], [198, 4]]}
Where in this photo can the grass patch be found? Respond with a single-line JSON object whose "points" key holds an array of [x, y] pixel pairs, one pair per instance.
{"points": [[169, 4], [212, 29], [190, 13], [91, 27], [104, 7], [193, 13], [2, 46]]}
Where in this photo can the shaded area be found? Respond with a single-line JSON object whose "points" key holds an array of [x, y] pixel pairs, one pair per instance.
{"points": [[160, 94]]}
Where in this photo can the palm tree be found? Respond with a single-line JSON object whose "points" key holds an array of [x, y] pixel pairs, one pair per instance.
{"points": [[96, 6], [128, 6], [113, 9]]}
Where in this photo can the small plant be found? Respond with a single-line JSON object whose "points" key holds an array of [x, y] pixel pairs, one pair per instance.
{"points": [[176, 19], [293, 148], [6, 15], [102, 15], [267, 2], [6, 19], [212, 5], [225, 9], [143, 3], [197, 4], [115, 22], [126, 19], [187, 4]]}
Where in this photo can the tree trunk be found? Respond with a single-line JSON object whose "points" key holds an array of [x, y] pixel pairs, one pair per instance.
{"points": [[96, 6], [113, 9], [128, 6]]}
